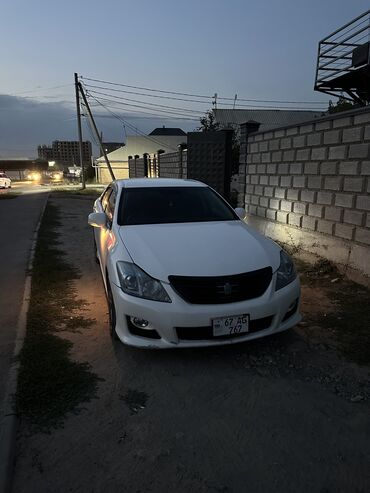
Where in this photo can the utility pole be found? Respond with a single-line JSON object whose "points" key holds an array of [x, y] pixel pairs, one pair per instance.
{"points": [[103, 151], [79, 127]]}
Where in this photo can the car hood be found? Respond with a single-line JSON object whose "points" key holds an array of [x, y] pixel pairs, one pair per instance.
{"points": [[199, 249]]}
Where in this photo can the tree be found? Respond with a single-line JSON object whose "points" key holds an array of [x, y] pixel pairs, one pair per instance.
{"points": [[341, 105], [208, 122]]}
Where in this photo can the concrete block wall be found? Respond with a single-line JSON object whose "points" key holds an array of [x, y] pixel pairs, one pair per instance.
{"points": [[313, 177], [170, 165]]}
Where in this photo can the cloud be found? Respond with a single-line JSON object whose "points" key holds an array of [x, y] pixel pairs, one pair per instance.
{"points": [[26, 123]]}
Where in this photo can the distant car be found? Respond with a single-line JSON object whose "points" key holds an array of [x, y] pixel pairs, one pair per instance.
{"points": [[33, 176], [181, 268], [5, 181]]}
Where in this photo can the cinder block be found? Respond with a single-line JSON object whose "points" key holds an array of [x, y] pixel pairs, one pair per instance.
{"points": [[315, 210], [261, 211], [263, 146], [303, 154], [249, 159], [365, 168], [271, 214], [279, 133], [348, 168], [344, 199], [286, 181], [286, 143], [264, 201], [292, 194], [296, 168], [324, 226], [353, 184], [252, 148], [342, 122], [338, 152], [276, 156], [274, 204], [283, 169], [314, 139], [299, 181], [326, 125], [319, 153], [353, 217], [292, 131], [311, 168], [261, 169], [299, 141], [254, 179], [363, 235], [247, 198], [264, 180], [247, 179], [295, 219], [309, 223], [367, 133], [289, 155], [367, 220], [332, 137], [271, 169], [328, 168], [249, 188], [255, 199], [258, 190], [333, 213], [280, 193], [298, 207], [333, 183], [268, 135], [308, 196], [364, 118], [325, 198], [269, 191], [353, 134], [252, 209], [274, 180], [274, 145], [305, 129], [363, 202], [344, 231], [286, 206], [359, 151], [258, 137], [266, 157], [314, 182], [282, 217], [256, 158], [251, 169]]}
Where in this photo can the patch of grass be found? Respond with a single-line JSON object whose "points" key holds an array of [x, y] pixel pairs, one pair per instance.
{"points": [[50, 383], [78, 193]]}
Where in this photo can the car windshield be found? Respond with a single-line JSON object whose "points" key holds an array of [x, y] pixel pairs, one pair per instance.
{"points": [[160, 205]]}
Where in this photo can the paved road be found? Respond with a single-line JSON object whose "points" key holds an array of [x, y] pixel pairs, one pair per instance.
{"points": [[18, 220], [273, 415]]}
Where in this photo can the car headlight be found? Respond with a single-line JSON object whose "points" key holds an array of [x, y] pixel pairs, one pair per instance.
{"points": [[286, 272], [136, 282]]}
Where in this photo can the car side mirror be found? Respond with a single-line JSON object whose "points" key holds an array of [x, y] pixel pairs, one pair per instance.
{"points": [[97, 220], [240, 212]]}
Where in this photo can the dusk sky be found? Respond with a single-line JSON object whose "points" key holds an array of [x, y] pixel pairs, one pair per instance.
{"points": [[262, 50]]}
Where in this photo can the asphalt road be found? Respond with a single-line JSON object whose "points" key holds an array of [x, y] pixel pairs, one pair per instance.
{"points": [[273, 415], [18, 220]]}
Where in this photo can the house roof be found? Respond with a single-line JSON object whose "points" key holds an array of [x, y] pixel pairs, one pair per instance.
{"points": [[268, 119], [167, 131]]}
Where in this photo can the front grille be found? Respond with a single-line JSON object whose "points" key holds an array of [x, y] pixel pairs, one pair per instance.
{"points": [[206, 333], [222, 289]]}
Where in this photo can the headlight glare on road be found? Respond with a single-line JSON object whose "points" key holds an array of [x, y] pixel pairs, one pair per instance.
{"points": [[286, 272], [136, 282]]}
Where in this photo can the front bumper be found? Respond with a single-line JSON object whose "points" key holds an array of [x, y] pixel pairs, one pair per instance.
{"points": [[164, 318]]}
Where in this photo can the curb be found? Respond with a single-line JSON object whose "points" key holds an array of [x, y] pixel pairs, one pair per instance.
{"points": [[9, 422]]}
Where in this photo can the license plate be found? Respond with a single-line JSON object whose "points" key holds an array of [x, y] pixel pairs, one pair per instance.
{"points": [[237, 324]]}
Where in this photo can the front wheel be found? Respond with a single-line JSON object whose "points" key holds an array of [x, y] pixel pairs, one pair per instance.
{"points": [[111, 312]]}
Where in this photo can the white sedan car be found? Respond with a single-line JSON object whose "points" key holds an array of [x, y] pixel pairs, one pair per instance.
{"points": [[5, 181], [181, 268]]}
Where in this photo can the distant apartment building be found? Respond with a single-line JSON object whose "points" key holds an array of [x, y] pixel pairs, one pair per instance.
{"points": [[66, 152]]}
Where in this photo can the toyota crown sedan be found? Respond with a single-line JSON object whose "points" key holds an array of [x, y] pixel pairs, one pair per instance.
{"points": [[181, 268]]}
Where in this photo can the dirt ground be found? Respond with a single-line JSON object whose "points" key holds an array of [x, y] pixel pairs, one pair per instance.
{"points": [[282, 414]]}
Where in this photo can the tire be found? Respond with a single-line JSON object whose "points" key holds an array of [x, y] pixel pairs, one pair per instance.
{"points": [[111, 312]]}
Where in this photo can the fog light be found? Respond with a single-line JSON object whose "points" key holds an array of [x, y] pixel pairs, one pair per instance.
{"points": [[139, 322]]}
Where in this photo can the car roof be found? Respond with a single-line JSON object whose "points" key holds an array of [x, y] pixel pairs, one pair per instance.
{"points": [[158, 182]]}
